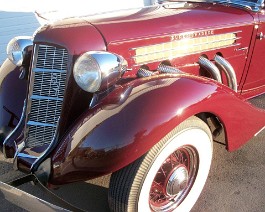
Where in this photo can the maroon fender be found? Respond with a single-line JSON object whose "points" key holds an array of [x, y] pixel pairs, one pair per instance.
{"points": [[133, 118], [12, 96]]}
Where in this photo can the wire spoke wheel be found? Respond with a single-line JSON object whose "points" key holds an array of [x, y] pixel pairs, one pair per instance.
{"points": [[170, 176], [174, 179]]}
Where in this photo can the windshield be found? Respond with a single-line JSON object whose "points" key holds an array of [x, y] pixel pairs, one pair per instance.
{"points": [[253, 5]]}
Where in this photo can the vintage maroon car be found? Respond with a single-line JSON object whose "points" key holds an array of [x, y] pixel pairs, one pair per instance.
{"points": [[140, 94]]}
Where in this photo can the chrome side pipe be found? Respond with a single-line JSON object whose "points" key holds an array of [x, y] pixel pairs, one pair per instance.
{"points": [[210, 68], [163, 69], [229, 71], [168, 69], [144, 73]]}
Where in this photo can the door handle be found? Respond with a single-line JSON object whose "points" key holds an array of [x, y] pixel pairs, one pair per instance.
{"points": [[260, 36]]}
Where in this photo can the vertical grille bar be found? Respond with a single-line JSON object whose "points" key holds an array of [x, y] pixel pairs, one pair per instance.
{"points": [[48, 81]]}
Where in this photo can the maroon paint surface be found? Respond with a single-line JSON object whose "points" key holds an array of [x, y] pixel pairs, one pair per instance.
{"points": [[77, 35], [94, 142], [106, 138], [256, 77], [12, 96]]}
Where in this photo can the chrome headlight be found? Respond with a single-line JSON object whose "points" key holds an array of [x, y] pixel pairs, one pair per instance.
{"points": [[17, 49], [98, 70]]}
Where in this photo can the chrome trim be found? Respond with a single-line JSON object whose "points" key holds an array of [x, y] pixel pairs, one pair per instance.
{"points": [[247, 5], [144, 73], [26, 155], [176, 5], [183, 33], [162, 68], [186, 46], [27, 201], [34, 123], [37, 97], [259, 131], [18, 48], [173, 49], [178, 181], [48, 70], [45, 98], [229, 71], [20, 146], [260, 36], [166, 58], [211, 68], [242, 49], [104, 69], [43, 154], [158, 44], [23, 114]]}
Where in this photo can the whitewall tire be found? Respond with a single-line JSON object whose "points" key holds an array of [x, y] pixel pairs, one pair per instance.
{"points": [[170, 177]]}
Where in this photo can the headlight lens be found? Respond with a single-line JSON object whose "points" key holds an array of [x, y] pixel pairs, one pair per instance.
{"points": [[17, 49], [97, 70]]}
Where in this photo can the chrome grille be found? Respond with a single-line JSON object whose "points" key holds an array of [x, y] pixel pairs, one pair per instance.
{"points": [[48, 81], [52, 88], [50, 57], [45, 110]]}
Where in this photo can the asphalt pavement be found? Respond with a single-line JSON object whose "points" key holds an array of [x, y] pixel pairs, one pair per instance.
{"points": [[236, 183]]}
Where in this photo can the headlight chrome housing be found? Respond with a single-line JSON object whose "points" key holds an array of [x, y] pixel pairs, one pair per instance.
{"points": [[18, 48], [97, 70]]}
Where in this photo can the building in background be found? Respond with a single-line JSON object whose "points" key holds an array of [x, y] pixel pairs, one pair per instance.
{"points": [[18, 18]]}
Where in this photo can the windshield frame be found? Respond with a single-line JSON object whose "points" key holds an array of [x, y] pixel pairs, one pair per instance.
{"points": [[243, 4]]}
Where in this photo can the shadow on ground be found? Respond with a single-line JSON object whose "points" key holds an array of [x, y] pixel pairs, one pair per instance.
{"points": [[235, 183]]}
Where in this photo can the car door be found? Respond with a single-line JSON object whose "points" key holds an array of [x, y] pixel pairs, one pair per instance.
{"points": [[256, 72]]}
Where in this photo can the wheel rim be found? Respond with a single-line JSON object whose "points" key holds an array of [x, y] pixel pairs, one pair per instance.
{"points": [[174, 179]]}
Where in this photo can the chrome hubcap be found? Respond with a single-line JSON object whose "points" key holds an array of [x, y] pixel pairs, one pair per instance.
{"points": [[174, 179], [178, 181]]}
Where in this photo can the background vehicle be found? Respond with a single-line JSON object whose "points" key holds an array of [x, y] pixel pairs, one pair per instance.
{"points": [[140, 94]]}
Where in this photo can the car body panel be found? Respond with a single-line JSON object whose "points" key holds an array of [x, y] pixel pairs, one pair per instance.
{"points": [[154, 21], [129, 118], [256, 78], [12, 96], [144, 29], [63, 32], [111, 136]]}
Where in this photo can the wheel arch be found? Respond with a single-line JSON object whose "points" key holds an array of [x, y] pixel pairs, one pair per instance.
{"points": [[216, 126], [111, 135], [135, 176]]}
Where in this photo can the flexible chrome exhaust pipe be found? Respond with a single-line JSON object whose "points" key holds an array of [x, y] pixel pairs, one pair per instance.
{"points": [[168, 69], [211, 68], [226, 67], [144, 73]]}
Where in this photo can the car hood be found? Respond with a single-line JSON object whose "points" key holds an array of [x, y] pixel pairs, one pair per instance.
{"points": [[108, 31], [74, 34], [160, 20]]}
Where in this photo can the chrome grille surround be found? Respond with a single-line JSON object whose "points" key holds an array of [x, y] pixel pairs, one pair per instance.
{"points": [[47, 86]]}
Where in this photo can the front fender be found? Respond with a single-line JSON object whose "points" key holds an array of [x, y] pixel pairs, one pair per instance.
{"points": [[12, 96], [112, 135]]}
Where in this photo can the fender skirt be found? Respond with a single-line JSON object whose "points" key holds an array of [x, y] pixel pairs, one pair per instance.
{"points": [[133, 118]]}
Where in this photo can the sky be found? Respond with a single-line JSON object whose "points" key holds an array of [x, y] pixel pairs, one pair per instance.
{"points": [[19, 17]]}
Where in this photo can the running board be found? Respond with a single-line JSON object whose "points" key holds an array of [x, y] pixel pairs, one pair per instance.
{"points": [[258, 101], [25, 200], [29, 202]]}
